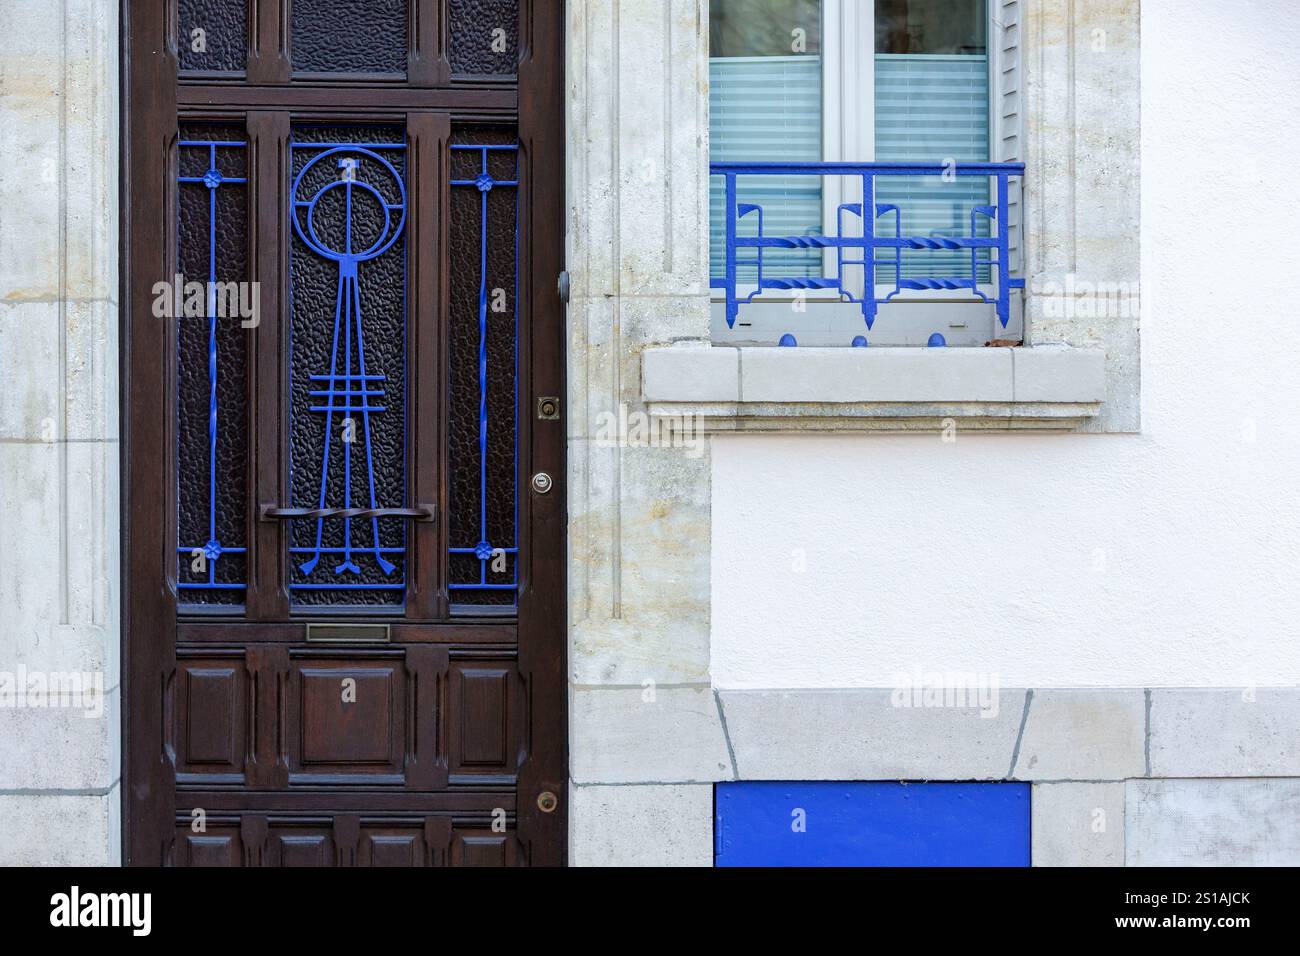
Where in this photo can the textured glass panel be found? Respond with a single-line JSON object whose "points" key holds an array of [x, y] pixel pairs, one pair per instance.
{"points": [[213, 35], [348, 363], [212, 424], [349, 36], [483, 428], [483, 36]]}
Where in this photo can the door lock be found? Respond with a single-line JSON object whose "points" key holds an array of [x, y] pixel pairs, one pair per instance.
{"points": [[548, 408], [542, 483], [547, 801]]}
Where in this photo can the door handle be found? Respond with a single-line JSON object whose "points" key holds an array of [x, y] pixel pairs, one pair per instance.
{"points": [[279, 512]]}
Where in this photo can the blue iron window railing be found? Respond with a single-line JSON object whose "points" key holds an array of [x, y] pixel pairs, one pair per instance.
{"points": [[878, 245]]}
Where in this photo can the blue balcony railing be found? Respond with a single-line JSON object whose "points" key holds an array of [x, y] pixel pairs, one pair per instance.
{"points": [[870, 251]]}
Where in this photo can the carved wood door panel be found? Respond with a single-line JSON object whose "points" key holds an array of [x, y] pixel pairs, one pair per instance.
{"points": [[343, 590]]}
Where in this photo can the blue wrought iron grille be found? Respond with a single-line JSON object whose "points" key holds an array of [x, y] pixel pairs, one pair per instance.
{"points": [[874, 245], [483, 518], [204, 300], [348, 363]]}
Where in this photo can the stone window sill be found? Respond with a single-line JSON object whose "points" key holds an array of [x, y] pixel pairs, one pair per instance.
{"points": [[1051, 388]]}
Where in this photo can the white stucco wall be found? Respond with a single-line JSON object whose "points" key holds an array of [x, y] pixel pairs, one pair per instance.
{"points": [[1170, 557]]}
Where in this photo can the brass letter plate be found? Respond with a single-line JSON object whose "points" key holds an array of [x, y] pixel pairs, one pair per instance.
{"points": [[348, 634]]}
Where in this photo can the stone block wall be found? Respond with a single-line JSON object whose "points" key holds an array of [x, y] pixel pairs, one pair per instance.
{"points": [[59, 501]]}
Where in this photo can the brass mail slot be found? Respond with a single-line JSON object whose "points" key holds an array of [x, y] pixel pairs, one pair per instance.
{"points": [[348, 633]]}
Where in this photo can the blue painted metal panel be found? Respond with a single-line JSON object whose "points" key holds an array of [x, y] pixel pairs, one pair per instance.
{"points": [[871, 824]]}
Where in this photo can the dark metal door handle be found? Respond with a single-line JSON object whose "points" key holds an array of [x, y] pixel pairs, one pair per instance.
{"points": [[277, 512]]}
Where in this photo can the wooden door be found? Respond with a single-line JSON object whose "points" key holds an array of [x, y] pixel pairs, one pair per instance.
{"points": [[343, 588]]}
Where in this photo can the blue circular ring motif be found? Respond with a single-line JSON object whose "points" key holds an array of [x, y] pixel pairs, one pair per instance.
{"points": [[390, 232]]}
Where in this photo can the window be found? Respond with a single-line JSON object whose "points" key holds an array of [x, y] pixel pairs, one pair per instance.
{"points": [[894, 81], [932, 105], [765, 102]]}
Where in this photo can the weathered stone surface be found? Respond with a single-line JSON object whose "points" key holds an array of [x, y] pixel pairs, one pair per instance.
{"points": [[61, 748], [1213, 822], [646, 735], [691, 375], [639, 536], [60, 829], [638, 505], [1227, 732], [59, 499], [649, 825], [875, 375], [875, 388], [1083, 734], [861, 735], [1082, 188], [1078, 824], [1047, 374], [58, 151]]}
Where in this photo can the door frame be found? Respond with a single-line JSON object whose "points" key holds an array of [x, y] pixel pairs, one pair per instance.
{"points": [[149, 83]]}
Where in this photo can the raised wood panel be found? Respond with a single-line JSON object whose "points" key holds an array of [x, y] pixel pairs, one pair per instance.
{"points": [[303, 849], [483, 847], [217, 846], [486, 720], [349, 839], [275, 717], [213, 713], [349, 715]]}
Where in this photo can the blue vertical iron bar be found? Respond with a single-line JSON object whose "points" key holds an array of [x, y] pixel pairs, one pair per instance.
{"points": [[484, 550], [482, 365], [514, 469], [733, 307], [212, 179], [212, 361], [869, 248], [1005, 282], [310, 565], [387, 566], [348, 564]]}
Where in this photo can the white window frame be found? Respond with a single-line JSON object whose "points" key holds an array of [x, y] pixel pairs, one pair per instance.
{"points": [[849, 129]]}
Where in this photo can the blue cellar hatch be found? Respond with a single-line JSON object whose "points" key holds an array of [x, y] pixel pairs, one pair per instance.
{"points": [[773, 823]]}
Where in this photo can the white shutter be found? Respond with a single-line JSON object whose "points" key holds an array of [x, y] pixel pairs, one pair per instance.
{"points": [[1008, 127], [767, 109]]}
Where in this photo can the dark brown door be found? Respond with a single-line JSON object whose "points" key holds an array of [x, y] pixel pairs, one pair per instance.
{"points": [[343, 450]]}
